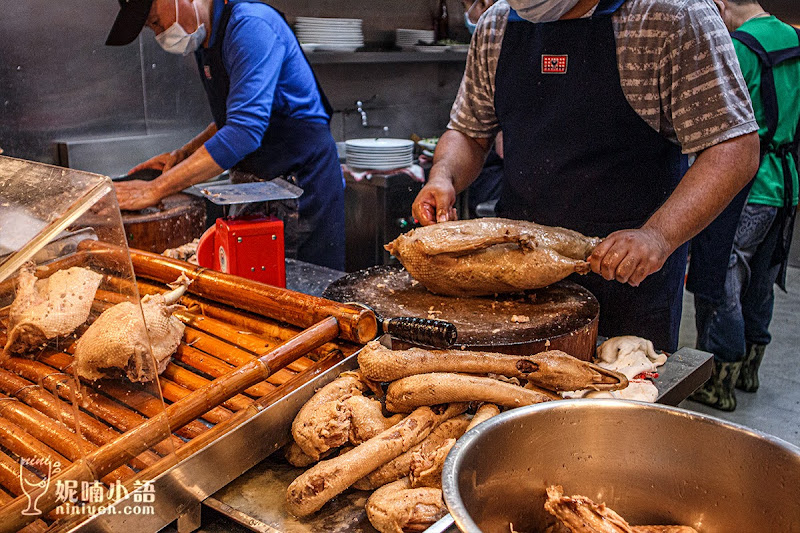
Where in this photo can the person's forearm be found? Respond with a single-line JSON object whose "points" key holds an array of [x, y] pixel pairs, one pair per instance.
{"points": [[197, 168], [195, 144], [459, 158], [717, 175]]}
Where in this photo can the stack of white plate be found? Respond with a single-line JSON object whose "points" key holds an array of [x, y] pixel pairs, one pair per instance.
{"points": [[332, 34], [405, 38], [379, 154]]}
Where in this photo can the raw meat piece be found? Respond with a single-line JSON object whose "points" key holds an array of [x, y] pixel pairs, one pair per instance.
{"points": [[118, 342], [491, 255], [50, 307]]}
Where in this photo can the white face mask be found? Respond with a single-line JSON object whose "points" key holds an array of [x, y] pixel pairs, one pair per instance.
{"points": [[542, 10], [176, 40]]}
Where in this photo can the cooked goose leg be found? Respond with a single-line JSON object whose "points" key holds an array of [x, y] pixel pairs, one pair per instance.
{"points": [[398, 508], [491, 255], [119, 343], [404, 395], [400, 466], [427, 466], [49, 308], [312, 489], [337, 414], [366, 418], [484, 413], [553, 370]]}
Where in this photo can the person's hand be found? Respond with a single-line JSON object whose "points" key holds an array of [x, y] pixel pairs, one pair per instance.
{"points": [[629, 256], [136, 194], [162, 162], [434, 203]]}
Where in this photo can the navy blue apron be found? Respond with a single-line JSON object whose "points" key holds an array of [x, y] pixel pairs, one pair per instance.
{"points": [[577, 155], [290, 147], [711, 248]]}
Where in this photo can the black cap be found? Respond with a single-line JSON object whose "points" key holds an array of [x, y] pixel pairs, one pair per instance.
{"points": [[130, 21]]}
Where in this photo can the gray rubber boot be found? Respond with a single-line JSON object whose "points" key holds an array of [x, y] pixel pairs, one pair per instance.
{"points": [[718, 392], [748, 377]]}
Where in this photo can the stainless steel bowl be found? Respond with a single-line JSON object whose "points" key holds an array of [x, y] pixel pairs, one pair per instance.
{"points": [[652, 464]]}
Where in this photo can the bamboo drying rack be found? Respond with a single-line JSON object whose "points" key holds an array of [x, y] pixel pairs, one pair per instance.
{"points": [[246, 346]]}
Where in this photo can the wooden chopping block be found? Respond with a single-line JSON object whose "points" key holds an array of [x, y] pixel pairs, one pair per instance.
{"points": [[176, 220], [563, 316]]}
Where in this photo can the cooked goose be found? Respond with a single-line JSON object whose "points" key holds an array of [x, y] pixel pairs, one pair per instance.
{"points": [[398, 508], [119, 343], [48, 308], [579, 514], [491, 255], [553, 370], [313, 488]]}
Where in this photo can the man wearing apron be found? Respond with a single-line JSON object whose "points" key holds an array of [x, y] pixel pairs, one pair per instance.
{"points": [[271, 118], [734, 326], [596, 101]]}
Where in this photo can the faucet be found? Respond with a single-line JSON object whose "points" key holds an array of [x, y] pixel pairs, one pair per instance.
{"points": [[364, 122], [360, 110]]}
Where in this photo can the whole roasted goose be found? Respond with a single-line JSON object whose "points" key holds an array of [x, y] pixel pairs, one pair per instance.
{"points": [[491, 255]]}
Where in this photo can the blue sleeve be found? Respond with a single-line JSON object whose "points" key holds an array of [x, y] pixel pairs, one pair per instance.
{"points": [[253, 54]]}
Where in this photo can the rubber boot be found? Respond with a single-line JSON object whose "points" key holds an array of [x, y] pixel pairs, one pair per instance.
{"points": [[748, 377], [718, 392]]}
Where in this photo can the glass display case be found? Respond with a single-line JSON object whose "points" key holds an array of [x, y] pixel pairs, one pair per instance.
{"points": [[79, 367]]}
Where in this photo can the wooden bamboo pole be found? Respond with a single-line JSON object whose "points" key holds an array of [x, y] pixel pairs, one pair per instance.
{"points": [[196, 445], [39, 526], [142, 437], [46, 403], [233, 354], [11, 472], [355, 324], [193, 382], [108, 410], [251, 323], [264, 328], [138, 400], [52, 434], [174, 392], [214, 367]]}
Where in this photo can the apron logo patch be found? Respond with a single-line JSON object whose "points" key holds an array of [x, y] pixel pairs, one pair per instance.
{"points": [[554, 64], [207, 71]]}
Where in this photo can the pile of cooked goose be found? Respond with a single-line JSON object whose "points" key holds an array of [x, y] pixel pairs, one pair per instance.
{"points": [[116, 343], [344, 433]]}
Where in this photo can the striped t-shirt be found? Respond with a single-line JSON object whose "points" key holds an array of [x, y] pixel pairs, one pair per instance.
{"points": [[677, 66]]}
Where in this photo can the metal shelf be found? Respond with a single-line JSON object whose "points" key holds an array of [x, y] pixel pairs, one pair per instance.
{"points": [[329, 58]]}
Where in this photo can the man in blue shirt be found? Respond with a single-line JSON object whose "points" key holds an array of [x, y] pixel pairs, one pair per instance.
{"points": [[270, 116]]}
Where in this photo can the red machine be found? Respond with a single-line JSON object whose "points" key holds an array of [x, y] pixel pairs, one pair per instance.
{"points": [[247, 246]]}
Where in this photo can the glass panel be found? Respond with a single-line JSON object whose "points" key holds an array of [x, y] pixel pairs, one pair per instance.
{"points": [[79, 366]]}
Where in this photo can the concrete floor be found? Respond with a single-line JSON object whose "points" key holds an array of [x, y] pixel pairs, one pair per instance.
{"points": [[775, 408]]}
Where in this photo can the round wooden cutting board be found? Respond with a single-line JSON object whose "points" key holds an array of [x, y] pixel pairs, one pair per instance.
{"points": [[176, 220], [562, 316]]}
